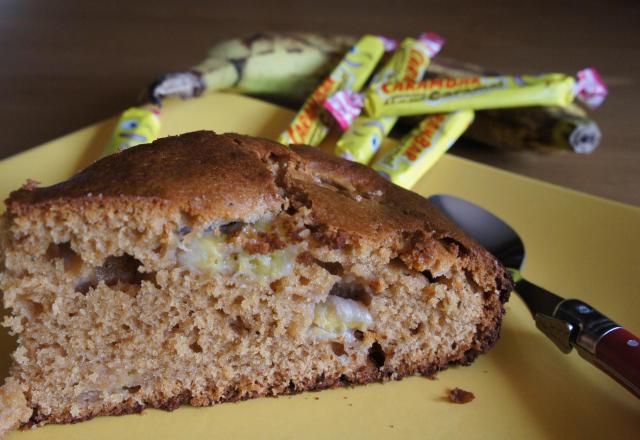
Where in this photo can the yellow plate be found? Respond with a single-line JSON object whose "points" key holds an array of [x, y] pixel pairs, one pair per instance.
{"points": [[577, 246]]}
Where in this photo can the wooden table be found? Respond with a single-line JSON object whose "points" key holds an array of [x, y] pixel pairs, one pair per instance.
{"points": [[69, 64]]}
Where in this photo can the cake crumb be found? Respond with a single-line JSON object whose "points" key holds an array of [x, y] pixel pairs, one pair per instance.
{"points": [[30, 185], [458, 395]]}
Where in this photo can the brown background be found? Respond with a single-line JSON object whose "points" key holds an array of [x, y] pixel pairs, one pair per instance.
{"points": [[69, 64]]}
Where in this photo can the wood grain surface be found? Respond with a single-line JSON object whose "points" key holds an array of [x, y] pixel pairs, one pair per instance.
{"points": [[67, 64]]}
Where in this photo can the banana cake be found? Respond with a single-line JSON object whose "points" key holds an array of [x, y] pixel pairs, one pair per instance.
{"points": [[205, 268]]}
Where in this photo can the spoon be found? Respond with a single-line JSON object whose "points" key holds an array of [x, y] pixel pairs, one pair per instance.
{"points": [[568, 323]]}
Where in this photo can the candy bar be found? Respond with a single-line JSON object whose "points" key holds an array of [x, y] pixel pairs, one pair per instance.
{"points": [[536, 128], [406, 163], [479, 93], [525, 128], [137, 125], [364, 135], [351, 74]]}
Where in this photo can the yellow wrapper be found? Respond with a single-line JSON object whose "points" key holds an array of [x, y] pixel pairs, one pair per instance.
{"points": [[363, 138], [137, 125], [350, 74], [475, 93], [406, 163]]}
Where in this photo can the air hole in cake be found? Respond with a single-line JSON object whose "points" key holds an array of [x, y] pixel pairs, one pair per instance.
{"points": [[416, 329], [454, 246], [239, 326], [114, 270], [133, 389], [150, 277], [376, 355], [195, 347], [397, 263], [429, 276], [359, 335], [338, 348], [291, 210], [123, 269], [300, 200], [232, 228], [469, 277], [351, 290], [442, 280], [84, 285], [333, 267], [72, 261]]}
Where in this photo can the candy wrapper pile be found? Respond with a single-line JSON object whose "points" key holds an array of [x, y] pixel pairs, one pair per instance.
{"points": [[363, 88], [448, 105]]}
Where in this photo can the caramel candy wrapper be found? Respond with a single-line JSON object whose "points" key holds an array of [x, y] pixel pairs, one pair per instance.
{"points": [[351, 74], [363, 138], [483, 92], [415, 154], [137, 125], [477, 93], [543, 129]]}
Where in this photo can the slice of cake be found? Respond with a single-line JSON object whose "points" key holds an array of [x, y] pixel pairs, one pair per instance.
{"points": [[206, 268]]}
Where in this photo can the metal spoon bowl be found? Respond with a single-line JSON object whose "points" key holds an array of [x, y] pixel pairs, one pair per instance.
{"points": [[568, 323]]}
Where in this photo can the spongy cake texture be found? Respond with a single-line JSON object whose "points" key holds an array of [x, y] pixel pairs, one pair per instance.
{"points": [[205, 268]]}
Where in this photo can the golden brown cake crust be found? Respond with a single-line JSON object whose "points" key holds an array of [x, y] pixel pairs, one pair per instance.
{"points": [[230, 176], [200, 173]]}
